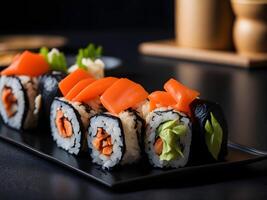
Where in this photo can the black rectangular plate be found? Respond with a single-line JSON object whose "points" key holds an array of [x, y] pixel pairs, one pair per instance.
{"points": [[43, 145]]}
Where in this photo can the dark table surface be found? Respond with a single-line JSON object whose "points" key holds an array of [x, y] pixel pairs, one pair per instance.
{"points": [[242, 94]]}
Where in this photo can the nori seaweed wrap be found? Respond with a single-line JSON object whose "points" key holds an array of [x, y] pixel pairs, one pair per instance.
{"points": [[69, 121], [48, 88], [19, 102], [168, 138], [210, 132]]}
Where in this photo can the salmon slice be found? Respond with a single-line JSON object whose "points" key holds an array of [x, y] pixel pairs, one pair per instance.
{"points": [[123, 94], [95, 89], [160, 99], [181, 94], [78, 88], [29, 64], [72, 79]]}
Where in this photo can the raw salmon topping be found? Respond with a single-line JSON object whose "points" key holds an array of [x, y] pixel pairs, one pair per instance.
{"points": [[29, 64], [123, 94], [95, 89], [78, 88], [160, 99], [72, 79], [181, 94]]}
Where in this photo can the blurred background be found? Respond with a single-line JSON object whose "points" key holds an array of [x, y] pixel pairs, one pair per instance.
{"points": [[29, 16]]}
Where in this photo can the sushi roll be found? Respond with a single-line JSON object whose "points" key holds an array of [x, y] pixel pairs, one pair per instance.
{"points": [[68, 118], [210, 130], [168, 138], [114, 140], [68, 121], [114, 137], [20, 102]]}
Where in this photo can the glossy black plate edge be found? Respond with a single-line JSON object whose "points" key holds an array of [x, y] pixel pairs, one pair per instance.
{"points": [[53, 159], [261, 155]]}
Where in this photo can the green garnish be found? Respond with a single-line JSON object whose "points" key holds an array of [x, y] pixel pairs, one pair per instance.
{"points": [[44, 51], [213, 136], [55, 59], [170, 133], [91, 51]]}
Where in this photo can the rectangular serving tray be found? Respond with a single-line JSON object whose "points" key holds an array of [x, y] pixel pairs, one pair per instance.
{"points": [[169, 49], [43, 145]]}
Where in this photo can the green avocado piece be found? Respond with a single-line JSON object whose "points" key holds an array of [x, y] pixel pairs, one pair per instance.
{"points": [[170, 133], [213, 136]]}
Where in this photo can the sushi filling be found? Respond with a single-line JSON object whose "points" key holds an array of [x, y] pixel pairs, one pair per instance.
{"points": [[106, 131], [168, 138], [167, 144], [158, 146], [63, 125], [10, 101], [102, 142]]}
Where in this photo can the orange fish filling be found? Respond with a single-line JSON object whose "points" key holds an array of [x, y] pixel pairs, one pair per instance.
{"points": [[63, 125], [158, 146], [102, 142], [10, 101]]}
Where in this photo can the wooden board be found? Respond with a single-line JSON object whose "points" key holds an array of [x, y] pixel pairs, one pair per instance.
{"points": [[168, 48], [11, 45], [6, 57], [21, 42]]}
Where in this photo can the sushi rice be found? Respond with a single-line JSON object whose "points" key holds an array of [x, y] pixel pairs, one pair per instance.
{"points": [[125, 130]]}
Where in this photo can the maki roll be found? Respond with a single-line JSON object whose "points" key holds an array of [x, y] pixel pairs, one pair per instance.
{"points": [[168, 138], [113, 140], [210, 129], [68, 121], [20, 102], [114, 137]]}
